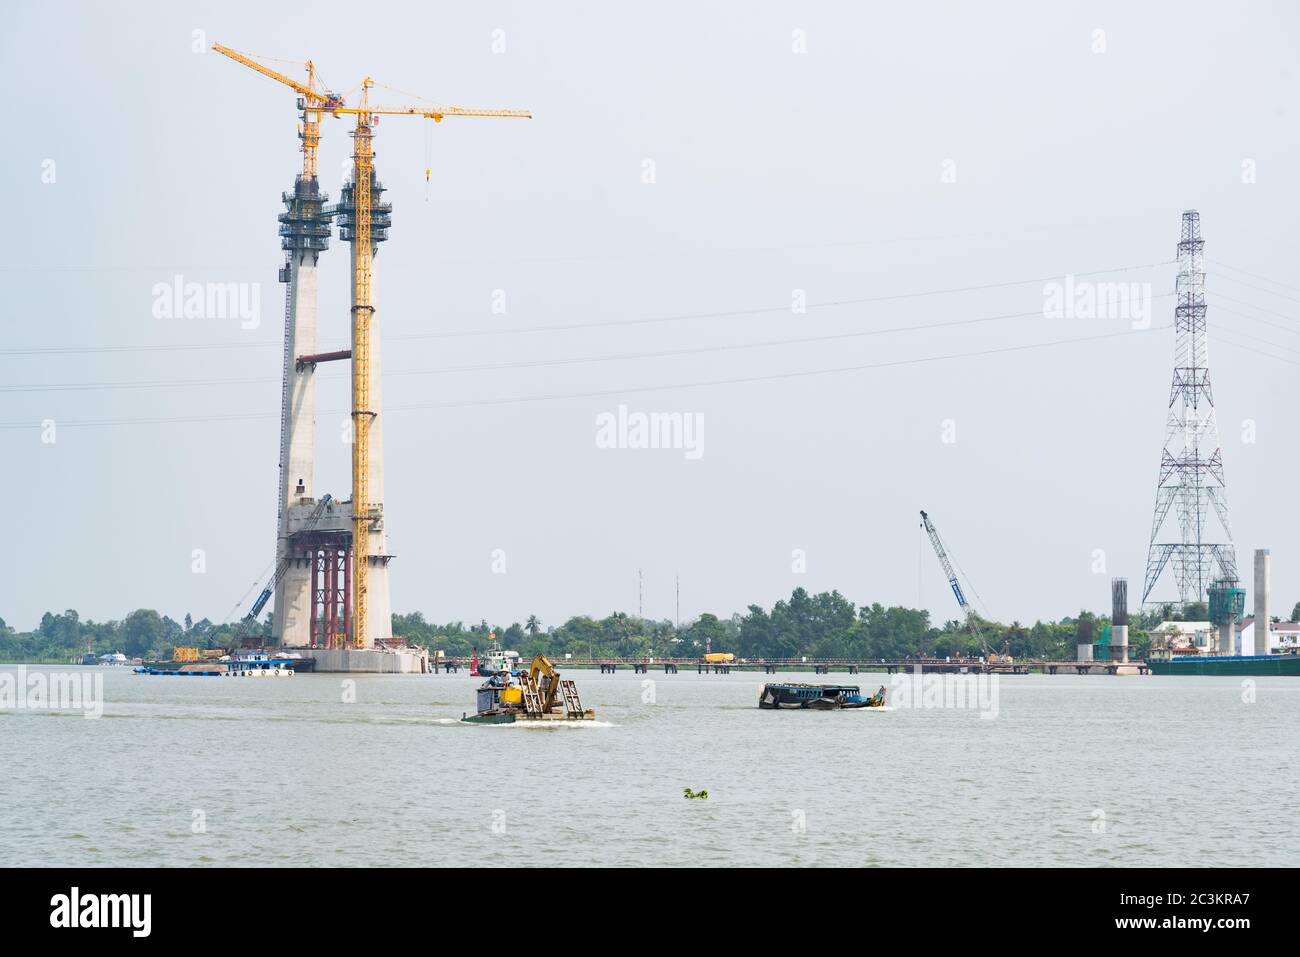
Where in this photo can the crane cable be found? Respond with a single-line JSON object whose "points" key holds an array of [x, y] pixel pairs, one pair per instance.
{"points": [[244, 597], [428, 157]]}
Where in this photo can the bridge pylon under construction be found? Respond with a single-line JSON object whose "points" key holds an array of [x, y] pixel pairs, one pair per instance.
{"points": [[314, 595], [331, 581]]}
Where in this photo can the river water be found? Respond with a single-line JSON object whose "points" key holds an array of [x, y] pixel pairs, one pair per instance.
{"points": [[377, 770]]}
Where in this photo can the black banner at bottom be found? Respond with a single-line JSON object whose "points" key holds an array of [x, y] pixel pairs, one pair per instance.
{"points": [[138, 907]]}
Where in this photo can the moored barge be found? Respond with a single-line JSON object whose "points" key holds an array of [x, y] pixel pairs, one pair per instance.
{"points": [[1234, 665]]}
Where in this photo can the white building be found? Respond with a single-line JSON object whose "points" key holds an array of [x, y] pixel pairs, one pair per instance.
{"points": [[1285, 636]]}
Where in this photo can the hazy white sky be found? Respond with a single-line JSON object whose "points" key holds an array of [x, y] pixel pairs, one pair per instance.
{"points": [[910, 148]]}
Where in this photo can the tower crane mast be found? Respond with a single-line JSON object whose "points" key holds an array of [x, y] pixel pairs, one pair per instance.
{"points": [[364, 515]]}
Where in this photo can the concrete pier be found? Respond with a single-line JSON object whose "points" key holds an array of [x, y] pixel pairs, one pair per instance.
{"points": [[1263, 586], [368, 661], [1119, 643], [1227, 638]]}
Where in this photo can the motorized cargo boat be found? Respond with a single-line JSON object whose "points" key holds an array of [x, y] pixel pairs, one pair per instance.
{"points": [[245, 666], [794, 695]]}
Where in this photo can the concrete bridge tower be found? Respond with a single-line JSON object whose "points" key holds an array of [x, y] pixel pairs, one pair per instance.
{"points": [[304, 232]]}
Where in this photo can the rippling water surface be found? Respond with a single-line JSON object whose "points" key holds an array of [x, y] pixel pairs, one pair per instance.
{"points": [[1073, 770]]}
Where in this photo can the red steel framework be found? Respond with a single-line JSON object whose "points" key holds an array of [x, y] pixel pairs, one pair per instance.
{"points": [[331, 610]]}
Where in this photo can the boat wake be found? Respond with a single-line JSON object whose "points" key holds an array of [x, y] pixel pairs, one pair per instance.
{"points": [[533, 725]]}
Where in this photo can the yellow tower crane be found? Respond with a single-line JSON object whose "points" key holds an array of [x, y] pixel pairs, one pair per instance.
{"points": [[314, 102], [362, 313]]}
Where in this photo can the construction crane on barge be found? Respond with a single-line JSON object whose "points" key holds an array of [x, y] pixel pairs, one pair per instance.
{"points": [[313, 101], [972, 621]]}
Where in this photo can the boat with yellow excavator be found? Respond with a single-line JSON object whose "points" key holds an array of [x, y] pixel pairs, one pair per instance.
{"points": [[538, 694]]}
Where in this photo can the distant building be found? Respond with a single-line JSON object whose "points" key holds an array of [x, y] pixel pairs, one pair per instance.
{"points": [[1285, 634], [1185, 635]]}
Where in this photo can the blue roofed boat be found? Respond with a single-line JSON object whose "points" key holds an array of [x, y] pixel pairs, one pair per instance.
{"points": [[779, 695]]}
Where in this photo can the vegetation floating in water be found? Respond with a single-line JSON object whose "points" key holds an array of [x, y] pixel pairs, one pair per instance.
{"points": [[691, 795]]}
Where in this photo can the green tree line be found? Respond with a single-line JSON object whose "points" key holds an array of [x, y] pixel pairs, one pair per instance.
{"points": [[144, 633], [824, 625]]}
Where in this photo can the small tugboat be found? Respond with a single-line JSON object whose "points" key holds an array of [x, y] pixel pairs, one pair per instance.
{"points": [[529, 696], [493, 662], [789, 695]]}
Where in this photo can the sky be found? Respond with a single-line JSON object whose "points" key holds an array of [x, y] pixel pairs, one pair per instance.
{"points": [[693, 173]]}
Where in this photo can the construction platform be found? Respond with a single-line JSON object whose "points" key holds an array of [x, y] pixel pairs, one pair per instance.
{"points": [[380, 661]]}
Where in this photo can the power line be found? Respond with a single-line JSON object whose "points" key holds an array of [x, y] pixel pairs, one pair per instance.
{"points": [[1254, 275], [1258, 352], [1293, 330], [863, 300], [183, 347], [780, 375], [622, 390], [522, 330], [1251, 285], [1267, 342], [128, 384], [713, 248], [1246, 302], [539, 363]]}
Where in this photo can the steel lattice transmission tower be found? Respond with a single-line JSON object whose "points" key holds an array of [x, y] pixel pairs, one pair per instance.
{"points": [[1191, 465]]}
